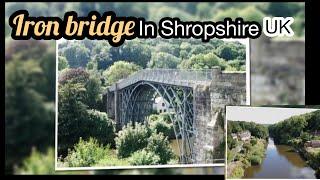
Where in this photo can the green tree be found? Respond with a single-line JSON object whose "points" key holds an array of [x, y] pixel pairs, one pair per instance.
{"points": [[72, 114], [38, 163], [77, 55], [283, 9], [62, 63], [119, 70], [251, 13], [203, 61], [29, 120], [131, 51], [159, 144], [159, 125], [102, 56], [93, 96], [143, 157], [231, 51], [163, 60], [131, 139], [77, 75], [100, 127], [86, 153]]}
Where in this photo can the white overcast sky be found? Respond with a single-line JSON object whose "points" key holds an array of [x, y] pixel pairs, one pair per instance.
{"points": [[262, 115]]}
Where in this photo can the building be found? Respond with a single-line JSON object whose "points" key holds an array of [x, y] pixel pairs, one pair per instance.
{"points": [[234, 136], [244, 136], [313, 144], [161, 105], [316, 133]]}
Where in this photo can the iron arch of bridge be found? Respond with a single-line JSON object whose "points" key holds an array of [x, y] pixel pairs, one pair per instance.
{"points": [[135, 104]]}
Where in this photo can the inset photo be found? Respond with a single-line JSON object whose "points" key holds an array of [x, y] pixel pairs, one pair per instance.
{"points": [[272, 142], [147, 104]]}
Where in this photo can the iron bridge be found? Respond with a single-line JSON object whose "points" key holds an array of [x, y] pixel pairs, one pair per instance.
{"points": [[131, 100]]}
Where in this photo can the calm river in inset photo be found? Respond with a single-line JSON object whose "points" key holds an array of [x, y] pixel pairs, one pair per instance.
{"points": [[280, 162]]}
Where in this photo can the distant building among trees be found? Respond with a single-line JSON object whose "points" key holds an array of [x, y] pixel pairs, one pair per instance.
{"points": [[161, 105], [244, 136], [313, 144]]}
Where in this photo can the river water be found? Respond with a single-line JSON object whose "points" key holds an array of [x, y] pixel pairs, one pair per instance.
{"points": [[195, 170], [280, 162]]}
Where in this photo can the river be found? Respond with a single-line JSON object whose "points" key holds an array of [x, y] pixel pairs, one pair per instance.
{"points": [[280, 162], [200, 170]]}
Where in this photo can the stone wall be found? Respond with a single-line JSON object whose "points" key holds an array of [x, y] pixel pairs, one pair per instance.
{"points": [[209, 110], [277, 71]]}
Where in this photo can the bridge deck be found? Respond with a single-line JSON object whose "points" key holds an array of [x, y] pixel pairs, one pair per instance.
{"points": [[177, 77]]}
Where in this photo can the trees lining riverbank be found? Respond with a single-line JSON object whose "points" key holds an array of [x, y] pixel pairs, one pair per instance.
{"points": [[241, 153], [297, 131]]}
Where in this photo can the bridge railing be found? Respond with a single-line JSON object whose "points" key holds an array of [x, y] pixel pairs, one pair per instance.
{"points": [[169, 76]]}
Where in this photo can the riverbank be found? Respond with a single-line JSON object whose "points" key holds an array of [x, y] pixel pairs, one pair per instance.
{"points": [[247, 154], [281, 161], [312, 156]]}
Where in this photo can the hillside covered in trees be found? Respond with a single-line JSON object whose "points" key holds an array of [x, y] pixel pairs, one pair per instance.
{"points": [[115, 63], [297, 131]]}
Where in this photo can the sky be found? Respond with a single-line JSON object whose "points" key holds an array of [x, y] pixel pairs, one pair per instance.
{"points": [[262, 115]]}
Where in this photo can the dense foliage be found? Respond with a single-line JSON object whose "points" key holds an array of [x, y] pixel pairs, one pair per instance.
{"points": [[131, 139], [85, 154], [296, 127], [119, 70], [76, 95], [134, 138], [144, 157], [38, 163], [257, 130], [252, 153], [29, 94], [296, 131], [243, 154], [161, 123], [116, 63]]}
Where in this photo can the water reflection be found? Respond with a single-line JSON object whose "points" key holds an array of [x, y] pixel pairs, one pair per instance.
{"points": [[280, 162], [196, 170]]}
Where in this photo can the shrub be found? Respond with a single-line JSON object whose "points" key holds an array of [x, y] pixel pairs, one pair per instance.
{"points": [[253, 142], [246, 163], [101, 127], [86, 153], [247, 147], [159, 144], [131, 139], [159, 124], [77, 75], [38, 163], [143, 157], [237, 172], [62, 63], [255, 160], [111, 159]]}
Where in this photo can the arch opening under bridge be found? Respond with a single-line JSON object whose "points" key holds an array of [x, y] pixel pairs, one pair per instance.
{"points": [[195, 97]]}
